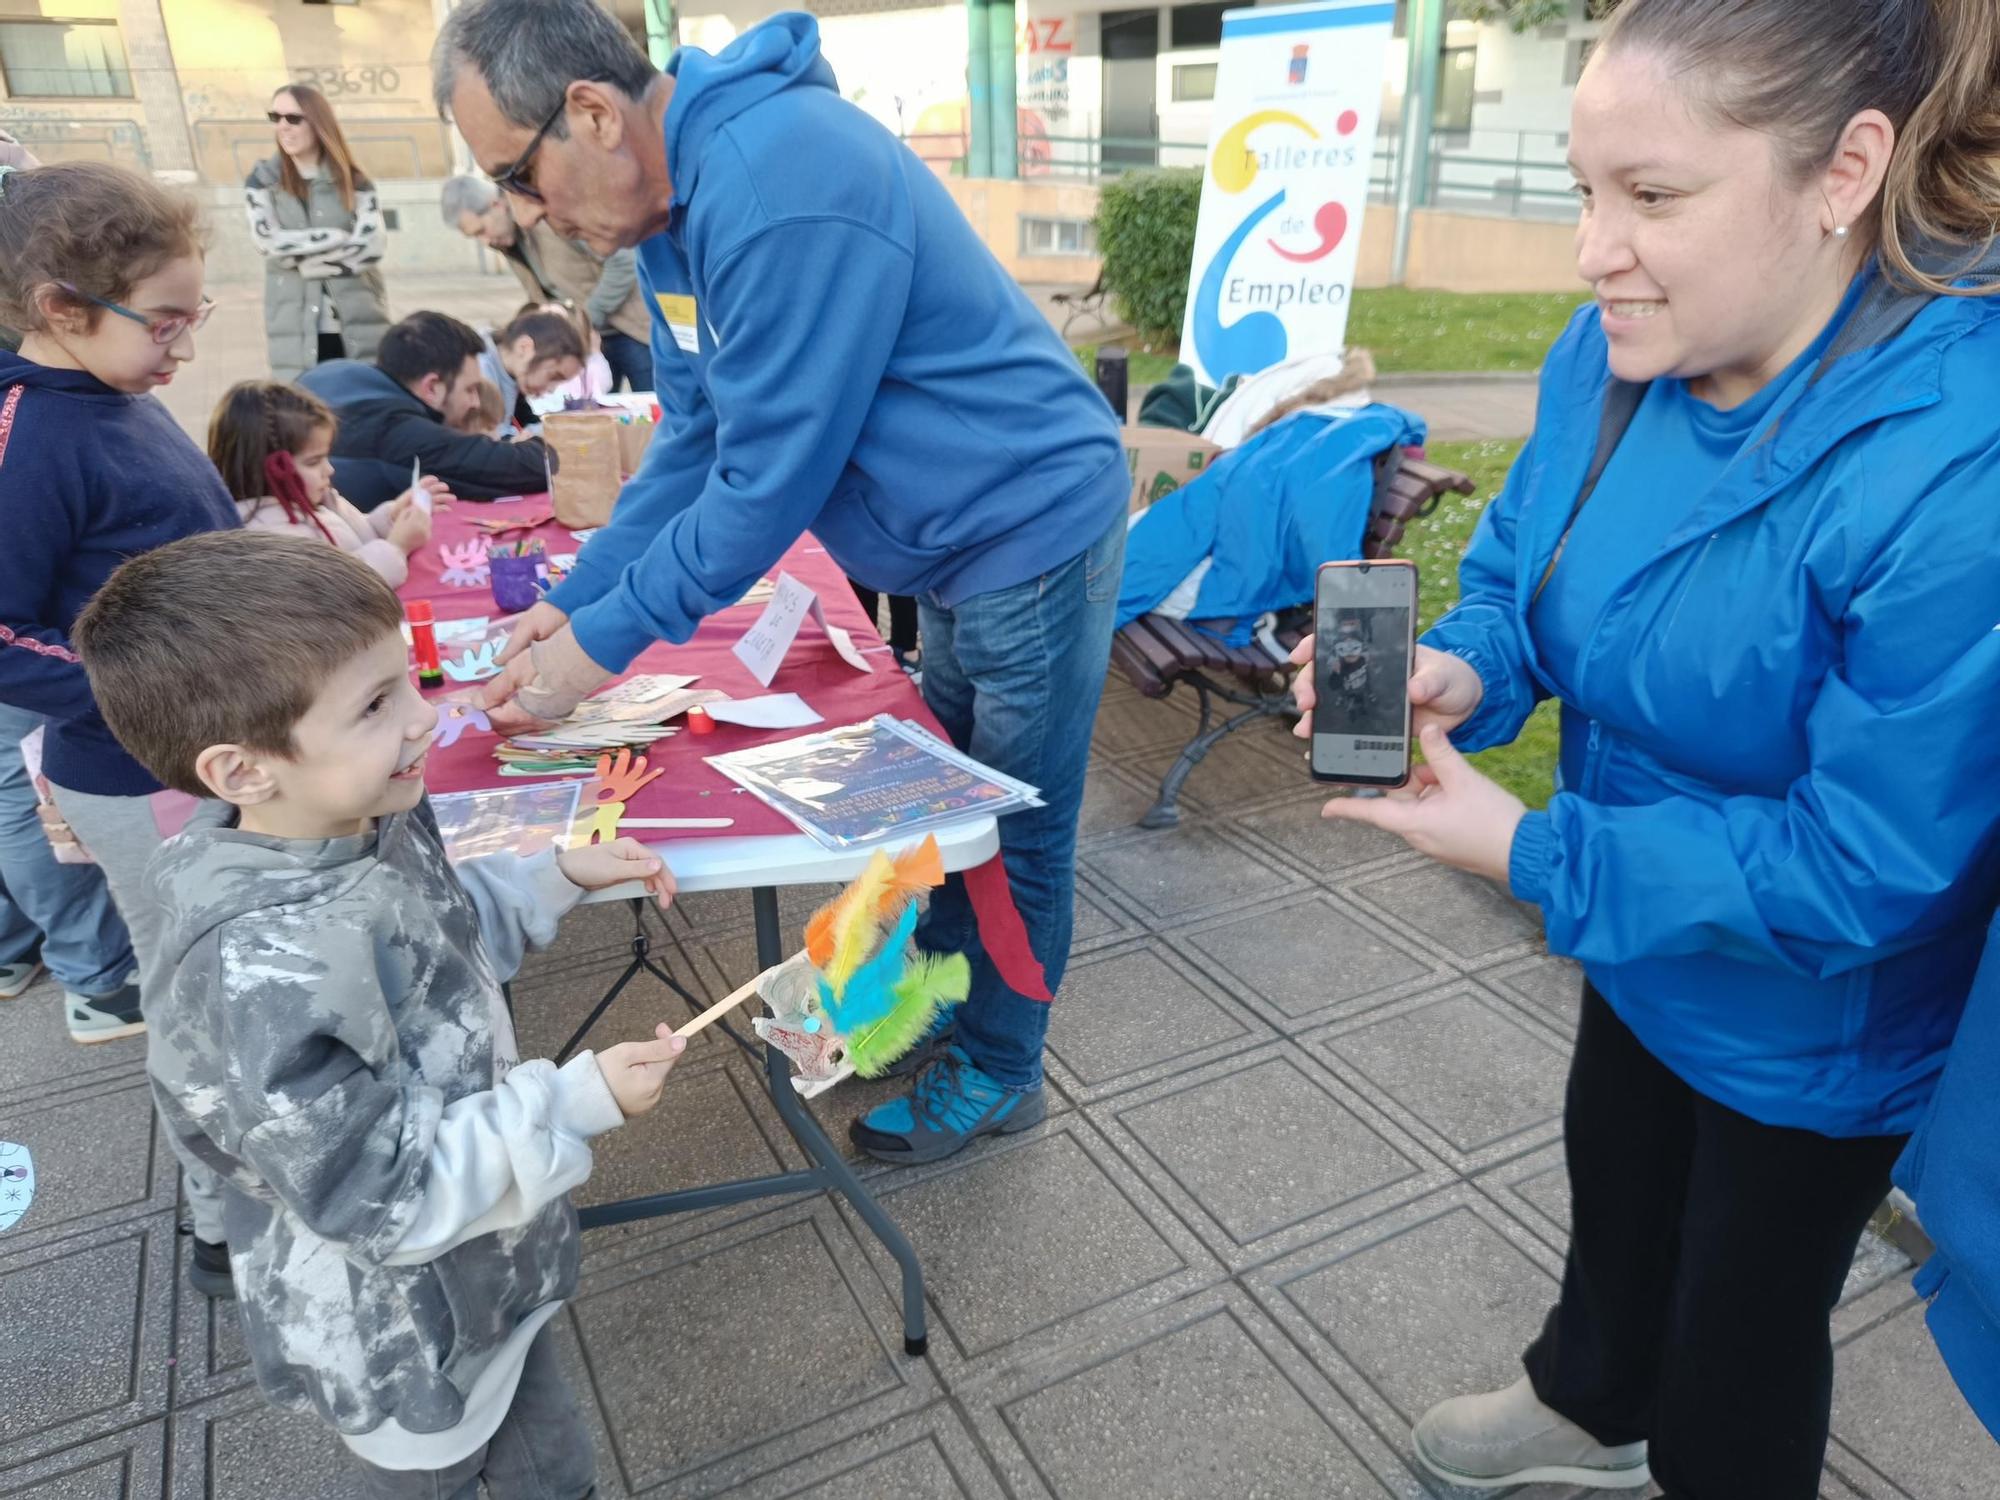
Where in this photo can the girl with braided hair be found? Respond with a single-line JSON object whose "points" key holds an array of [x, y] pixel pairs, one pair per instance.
{"points": [[273, 445]]}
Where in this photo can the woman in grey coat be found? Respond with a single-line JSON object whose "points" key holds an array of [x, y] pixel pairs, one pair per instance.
{"points": [[315, 218]]}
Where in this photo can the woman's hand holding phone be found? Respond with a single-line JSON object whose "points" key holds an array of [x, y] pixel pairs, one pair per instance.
{"points": [[1448, 810], [1444, 689]]}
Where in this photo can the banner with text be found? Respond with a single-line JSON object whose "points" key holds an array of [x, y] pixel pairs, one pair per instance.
{"points": [[1298, 94]]}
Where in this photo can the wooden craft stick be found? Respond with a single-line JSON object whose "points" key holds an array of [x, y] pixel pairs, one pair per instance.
{"points": [[676, 822], [720, 1009]]}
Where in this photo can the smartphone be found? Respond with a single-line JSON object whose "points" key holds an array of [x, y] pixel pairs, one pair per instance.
{"points": [[1364, 641]]}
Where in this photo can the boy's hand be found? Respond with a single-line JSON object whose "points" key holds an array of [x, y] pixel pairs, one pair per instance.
{"points": [[636, 1071], [596, 867]]}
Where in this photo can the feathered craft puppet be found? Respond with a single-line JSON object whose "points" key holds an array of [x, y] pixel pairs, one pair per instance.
{"points": [[873, 988], [860, 995]]}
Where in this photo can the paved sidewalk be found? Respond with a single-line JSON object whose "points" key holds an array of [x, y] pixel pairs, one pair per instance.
{"points": [[1463, 408], [1302, 1177]]}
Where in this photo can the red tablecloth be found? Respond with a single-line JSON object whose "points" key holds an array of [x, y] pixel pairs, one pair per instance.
{"points": [[690, 789]]}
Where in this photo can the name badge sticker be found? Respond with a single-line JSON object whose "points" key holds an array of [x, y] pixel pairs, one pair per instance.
{"points": [[683, 321]]}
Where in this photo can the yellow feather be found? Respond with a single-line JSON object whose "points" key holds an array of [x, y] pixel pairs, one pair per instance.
{"points": [[855, 921]]}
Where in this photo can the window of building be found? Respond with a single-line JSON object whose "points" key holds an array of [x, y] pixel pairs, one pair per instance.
{"points": [[1198, 25], [1194, 81], [1457, 65], [1057, 236], [64, 60]]}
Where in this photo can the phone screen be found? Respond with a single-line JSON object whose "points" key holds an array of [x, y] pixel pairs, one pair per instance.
{"points": [[1363, 627]]}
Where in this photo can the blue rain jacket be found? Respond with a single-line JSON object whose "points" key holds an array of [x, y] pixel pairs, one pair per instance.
{"points": [[1773, 847], [1952, 1170], [1264, 516]]}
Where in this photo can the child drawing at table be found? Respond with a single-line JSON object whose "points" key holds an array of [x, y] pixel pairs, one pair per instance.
{"points": [[331, 1038], [273, 446]]}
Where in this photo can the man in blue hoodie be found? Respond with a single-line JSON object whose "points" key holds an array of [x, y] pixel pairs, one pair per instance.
{"points": [[836, 350]]}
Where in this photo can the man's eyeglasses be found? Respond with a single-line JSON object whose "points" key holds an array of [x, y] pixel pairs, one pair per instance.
{"points": [[517, 177], [283, 117], [163, 329]]}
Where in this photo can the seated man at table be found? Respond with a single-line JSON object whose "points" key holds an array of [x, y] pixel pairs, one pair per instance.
{"points": [[408, 405], [330, 1036], [531, 356]]}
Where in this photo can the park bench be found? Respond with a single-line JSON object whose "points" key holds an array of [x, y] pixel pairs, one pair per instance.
{"points": [[1157, 654]]}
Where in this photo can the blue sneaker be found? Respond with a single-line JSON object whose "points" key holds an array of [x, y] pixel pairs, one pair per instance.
{"points": [[952, 1105]]}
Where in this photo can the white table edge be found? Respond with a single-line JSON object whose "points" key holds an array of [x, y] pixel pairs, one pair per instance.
{"points": [[745, 863]]}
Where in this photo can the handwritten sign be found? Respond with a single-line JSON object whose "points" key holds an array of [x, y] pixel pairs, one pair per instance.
{"points": [[763, 646]]}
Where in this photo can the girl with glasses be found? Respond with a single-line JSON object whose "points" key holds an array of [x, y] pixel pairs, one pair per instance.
{"points": [[315, 219], [101, 271]]}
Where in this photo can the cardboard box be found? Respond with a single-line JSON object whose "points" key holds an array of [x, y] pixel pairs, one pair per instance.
{"points": [[1162, 460]]}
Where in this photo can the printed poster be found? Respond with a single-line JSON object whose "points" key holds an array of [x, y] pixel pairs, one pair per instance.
{"points": [[1298, 96]]}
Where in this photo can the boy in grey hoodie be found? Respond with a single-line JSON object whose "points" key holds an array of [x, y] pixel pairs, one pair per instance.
{"points": [[332, 1040]]}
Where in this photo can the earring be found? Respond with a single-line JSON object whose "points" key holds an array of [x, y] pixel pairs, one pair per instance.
{"points": [[1840, 231]]}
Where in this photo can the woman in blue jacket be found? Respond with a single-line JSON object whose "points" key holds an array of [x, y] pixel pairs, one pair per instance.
{"points": [[1752, 549]]}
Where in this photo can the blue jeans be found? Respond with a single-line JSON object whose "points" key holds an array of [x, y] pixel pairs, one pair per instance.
{"points": [[630, 360], [1015, 677], [67, 907]]}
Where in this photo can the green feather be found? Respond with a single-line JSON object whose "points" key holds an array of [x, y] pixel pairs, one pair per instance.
{"points": [[928, 984]]}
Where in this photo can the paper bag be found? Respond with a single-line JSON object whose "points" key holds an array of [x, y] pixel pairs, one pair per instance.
{"points": [[587, 466], [634, 433]]}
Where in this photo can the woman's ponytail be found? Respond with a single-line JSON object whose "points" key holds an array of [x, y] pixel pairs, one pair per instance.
{"points": [[1943, 183]]}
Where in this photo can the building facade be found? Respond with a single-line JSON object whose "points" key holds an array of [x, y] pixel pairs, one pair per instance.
{"points": [[180, 87]]}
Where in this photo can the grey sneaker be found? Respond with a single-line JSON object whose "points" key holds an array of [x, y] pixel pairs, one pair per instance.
{"points": [[1509, 1437], [14, 978], [104, 1018]]}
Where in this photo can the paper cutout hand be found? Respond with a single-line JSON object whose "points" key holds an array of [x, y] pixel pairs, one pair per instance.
{"points": [[474, 668], [455, 719], [596, 825], [466, 565], [618, 780]]}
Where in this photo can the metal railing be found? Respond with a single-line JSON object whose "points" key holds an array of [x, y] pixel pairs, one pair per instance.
{"points": [[1518, 173]]}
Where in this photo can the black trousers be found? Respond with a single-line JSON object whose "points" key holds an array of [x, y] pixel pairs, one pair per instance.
{"points": [[1706, 1254], [331, 346], [902, 616]]}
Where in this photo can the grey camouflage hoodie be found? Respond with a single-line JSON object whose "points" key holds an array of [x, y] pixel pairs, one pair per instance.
{"points": [[333, 1042]]}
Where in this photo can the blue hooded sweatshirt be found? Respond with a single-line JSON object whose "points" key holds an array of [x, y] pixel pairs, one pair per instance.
{"points": [[835, 350], [1777, 834], [89, 476]]}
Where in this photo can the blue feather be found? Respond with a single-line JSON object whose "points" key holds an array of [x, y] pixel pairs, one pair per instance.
{"points": [[870, 992]]}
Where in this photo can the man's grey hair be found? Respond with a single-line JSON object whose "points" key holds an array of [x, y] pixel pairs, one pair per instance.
{"points": [[530, 51], [466, 195]]}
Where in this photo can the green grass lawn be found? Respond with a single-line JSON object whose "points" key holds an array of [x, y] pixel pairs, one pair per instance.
{"points": [[1526, 767], [1144, 368], [1410, 332]]}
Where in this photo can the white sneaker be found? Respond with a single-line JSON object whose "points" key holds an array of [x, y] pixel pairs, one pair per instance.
{"points": [[1509, 1437], [14, 978]]}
